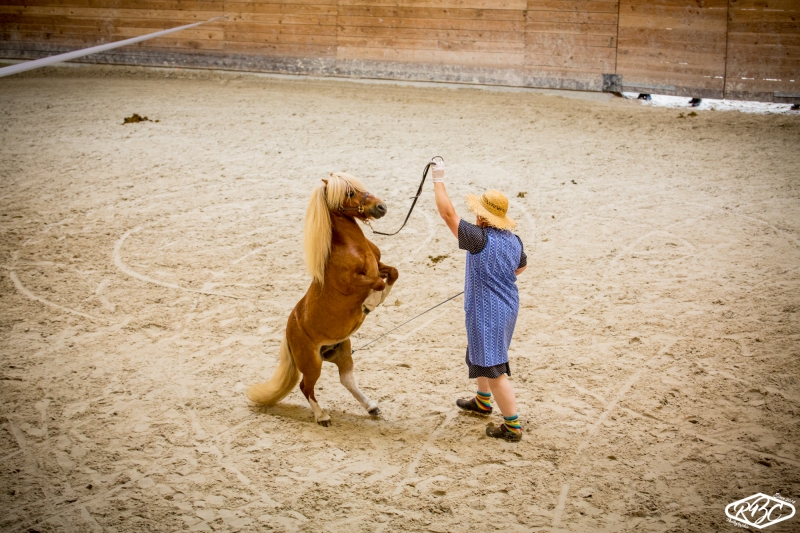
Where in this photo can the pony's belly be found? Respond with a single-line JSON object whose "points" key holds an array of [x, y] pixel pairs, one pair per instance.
{"points": [[350, 333], [329, 324]]}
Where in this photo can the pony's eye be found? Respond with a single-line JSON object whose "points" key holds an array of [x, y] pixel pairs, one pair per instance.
{"points": [[351, 194]]}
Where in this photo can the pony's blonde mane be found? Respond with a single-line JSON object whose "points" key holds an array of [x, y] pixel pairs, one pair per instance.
{"points": [[326, 197]]}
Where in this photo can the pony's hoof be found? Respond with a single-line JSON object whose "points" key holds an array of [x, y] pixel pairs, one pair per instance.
{"points": [[324, 423], [375, 411]]}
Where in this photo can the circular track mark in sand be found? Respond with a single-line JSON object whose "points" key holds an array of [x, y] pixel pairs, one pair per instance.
{"points": [[24, 290], [119, 263]]}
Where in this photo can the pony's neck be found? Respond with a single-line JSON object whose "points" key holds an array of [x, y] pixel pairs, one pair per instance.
{"points": [[343, 222]]}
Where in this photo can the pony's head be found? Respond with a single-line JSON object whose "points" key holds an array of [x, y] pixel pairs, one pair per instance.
{"points": [[340, 193], [344, 193]]}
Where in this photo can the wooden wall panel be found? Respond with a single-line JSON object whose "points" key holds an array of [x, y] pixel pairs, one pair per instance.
{"points": [[673, 46], [288, 29], [412, 32], [662, 46], [570, 44], [764, 51]]}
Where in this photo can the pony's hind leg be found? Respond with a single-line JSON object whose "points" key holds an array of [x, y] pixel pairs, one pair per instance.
{"points": [[309, 363], [343, 359], [310, 377]]}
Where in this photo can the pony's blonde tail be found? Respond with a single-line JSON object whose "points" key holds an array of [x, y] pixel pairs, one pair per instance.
{"points": [[281, 383]]}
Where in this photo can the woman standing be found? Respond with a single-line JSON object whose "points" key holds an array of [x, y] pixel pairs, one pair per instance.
{"points": [[494, 260]]}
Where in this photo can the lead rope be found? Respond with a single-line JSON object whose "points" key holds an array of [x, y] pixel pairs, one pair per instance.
{"points": [[416, 197], [407, 321]]}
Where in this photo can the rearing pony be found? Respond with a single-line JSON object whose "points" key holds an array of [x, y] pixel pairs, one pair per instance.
{"points": [[349, 281]]}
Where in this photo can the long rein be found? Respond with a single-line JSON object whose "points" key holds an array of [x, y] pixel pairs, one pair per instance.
{"points": [[406, 322]]}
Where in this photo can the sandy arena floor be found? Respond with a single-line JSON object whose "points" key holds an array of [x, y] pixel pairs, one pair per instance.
{"points": [[148, 270]]}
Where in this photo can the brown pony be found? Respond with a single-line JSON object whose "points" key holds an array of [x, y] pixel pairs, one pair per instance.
{"points": [[349, 281]]}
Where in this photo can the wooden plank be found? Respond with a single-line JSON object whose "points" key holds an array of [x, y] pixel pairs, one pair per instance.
{"points": [[744, 53], [281, 38], [281, 18], [75, 41], [299, 29], [699, 59], [558, 49], [631, 67], [572, 17], [443, 24], [418, 33], [582, 6], [764, 39], [563, 39], [672, 42], [786, 73], [35, 40], [232, 4], [757, 86], [574, 73], [789, 27], [286, 9], [772, 5], [566, 28], [429, 13], [656, 5], [419, 44], [594, 64], [740, 16], [678, 78], [116, 33], [190, 34], [519, 5], [116, 30], [287, 50], [95, 24], [92, 13], [475, 59], [187, 5], [705, 24]]}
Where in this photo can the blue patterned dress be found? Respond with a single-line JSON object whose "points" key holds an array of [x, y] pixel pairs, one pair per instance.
{"points": [[491, 299]]}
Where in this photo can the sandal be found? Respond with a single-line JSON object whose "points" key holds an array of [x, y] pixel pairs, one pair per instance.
{"points": [[502, 432], [472, 405]]}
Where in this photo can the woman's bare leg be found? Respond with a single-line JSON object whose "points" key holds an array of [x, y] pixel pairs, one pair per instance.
{"points": [[503, 393]]}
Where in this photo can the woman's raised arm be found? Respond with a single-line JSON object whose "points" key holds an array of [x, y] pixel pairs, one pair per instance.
{"points": [[443, 203]]}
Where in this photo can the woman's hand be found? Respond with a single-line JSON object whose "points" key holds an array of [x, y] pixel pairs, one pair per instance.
{"points": [[438, 172]]}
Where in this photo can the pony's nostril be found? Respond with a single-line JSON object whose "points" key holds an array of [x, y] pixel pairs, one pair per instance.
{"points": [[379, 210]]}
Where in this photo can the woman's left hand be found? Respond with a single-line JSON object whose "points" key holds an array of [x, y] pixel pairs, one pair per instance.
{"points": [[438, 172]]}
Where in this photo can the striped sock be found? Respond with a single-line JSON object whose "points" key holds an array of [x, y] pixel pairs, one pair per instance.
{"points": [[484, 400], [513, 424]]}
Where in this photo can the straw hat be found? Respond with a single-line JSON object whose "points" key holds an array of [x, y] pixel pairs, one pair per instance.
{"points": [[492, 206]]}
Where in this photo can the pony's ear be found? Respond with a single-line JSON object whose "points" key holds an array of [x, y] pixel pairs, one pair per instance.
{"points": [[324, 181]]}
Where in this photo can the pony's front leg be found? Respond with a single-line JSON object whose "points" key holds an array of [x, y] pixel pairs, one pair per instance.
{"points": [[389, 275], [374, 297], [343, 359]]}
